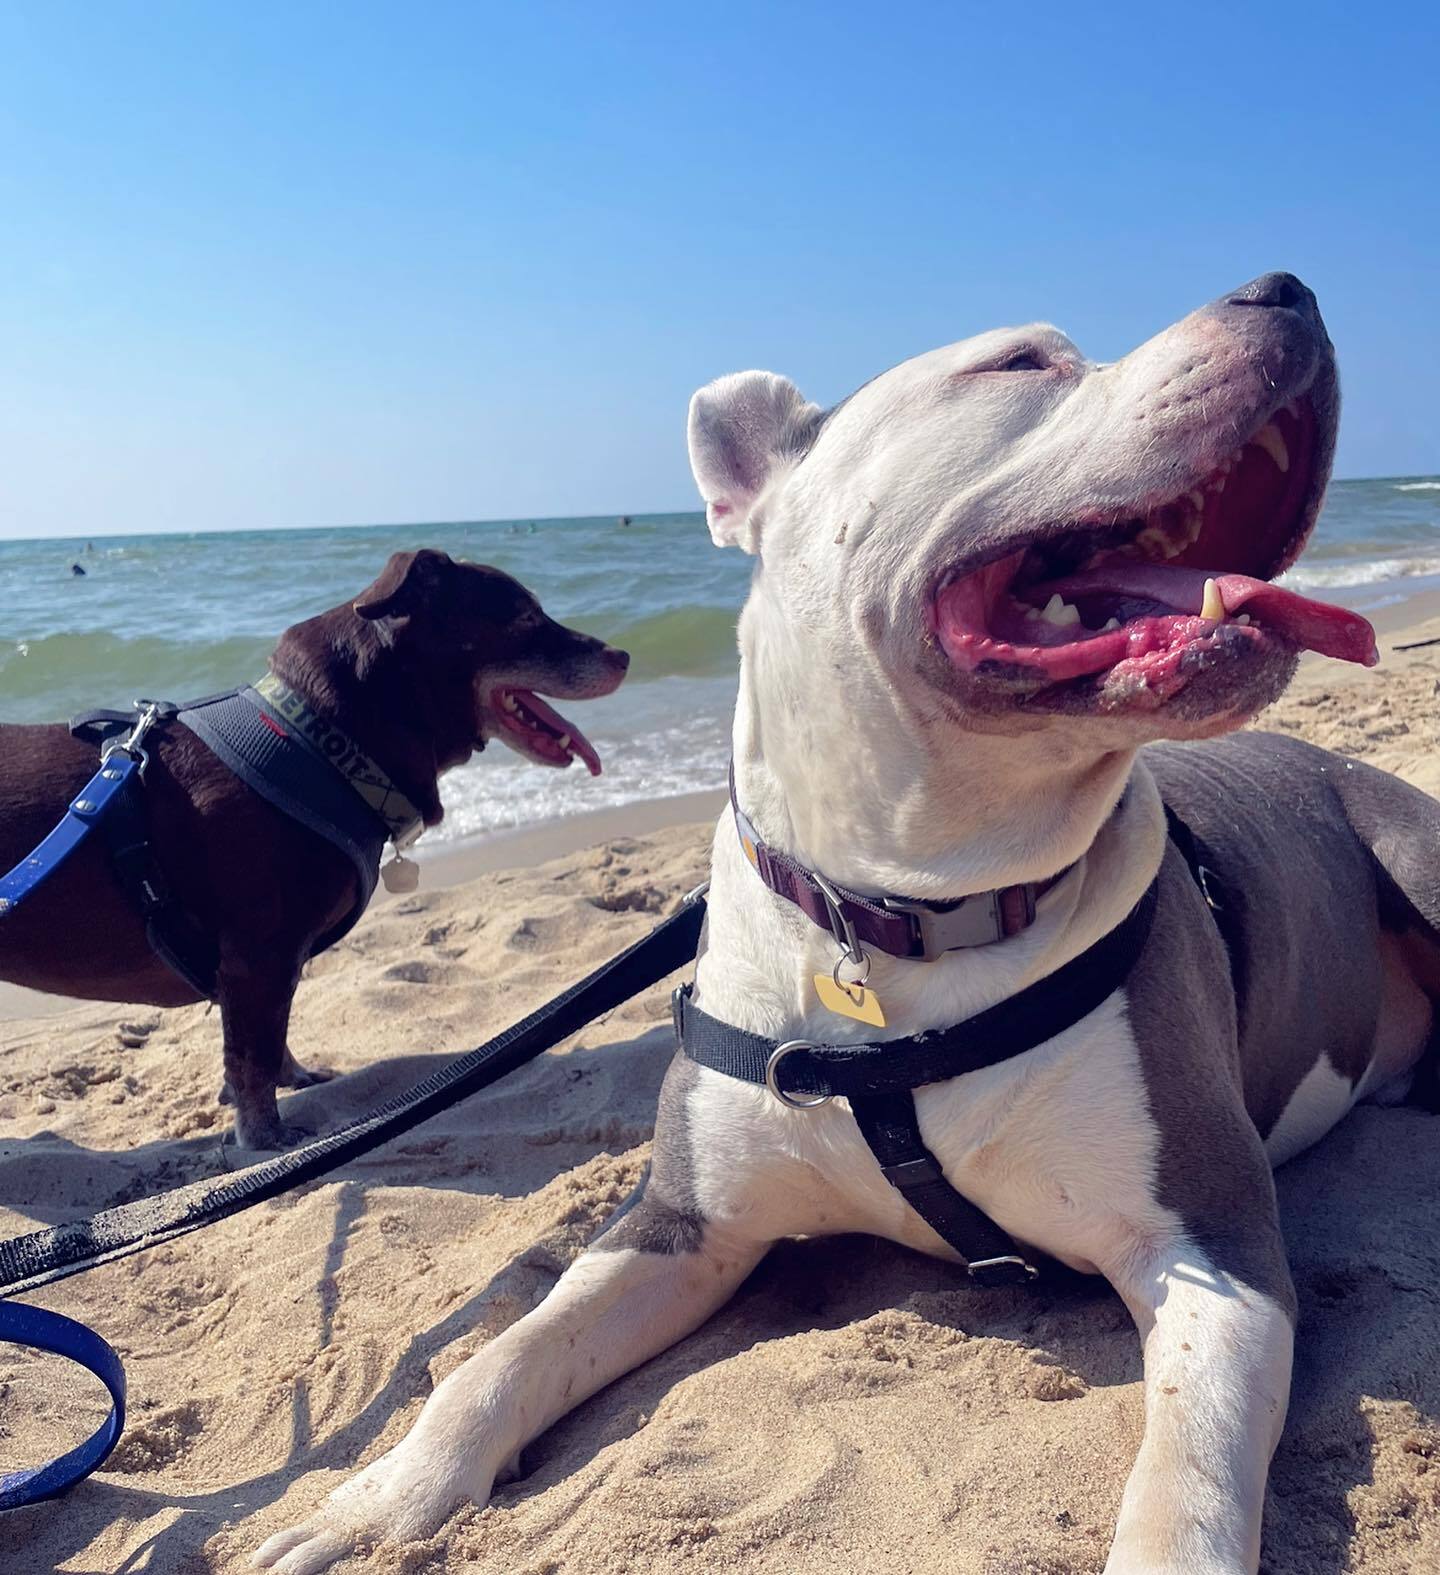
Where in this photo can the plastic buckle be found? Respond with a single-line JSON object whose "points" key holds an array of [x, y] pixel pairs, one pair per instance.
{"points": [[976, 920]]}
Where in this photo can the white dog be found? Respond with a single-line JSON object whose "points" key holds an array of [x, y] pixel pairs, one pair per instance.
{"points": [[983, 582]]}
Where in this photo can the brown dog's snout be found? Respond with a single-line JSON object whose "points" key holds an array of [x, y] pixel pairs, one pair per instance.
{"points": [[614, 663], [591, 668]]}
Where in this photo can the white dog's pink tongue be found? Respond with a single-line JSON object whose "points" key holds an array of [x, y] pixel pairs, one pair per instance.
{"points": [[1316, 626]]}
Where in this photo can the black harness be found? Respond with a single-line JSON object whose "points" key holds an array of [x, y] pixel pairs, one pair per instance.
{"points": [[271, 755], [879, 1079]]}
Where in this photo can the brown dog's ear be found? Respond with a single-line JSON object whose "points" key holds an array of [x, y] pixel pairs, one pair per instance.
{"points": [[402, 584]]}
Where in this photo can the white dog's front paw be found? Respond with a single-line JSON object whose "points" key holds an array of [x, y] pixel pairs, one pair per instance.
{"points": [[394, 1500]]}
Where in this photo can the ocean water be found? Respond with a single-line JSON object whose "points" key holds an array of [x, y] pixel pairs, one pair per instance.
{"points": [[184, 615]]}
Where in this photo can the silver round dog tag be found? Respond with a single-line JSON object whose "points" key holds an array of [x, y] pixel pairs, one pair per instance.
{"points": [[400, 875]]}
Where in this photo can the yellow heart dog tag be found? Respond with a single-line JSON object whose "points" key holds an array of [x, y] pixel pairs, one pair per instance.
{"points": [[849, 1000]]}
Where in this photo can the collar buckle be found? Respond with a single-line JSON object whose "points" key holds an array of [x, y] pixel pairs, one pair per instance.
{"points": [[976, 920]]}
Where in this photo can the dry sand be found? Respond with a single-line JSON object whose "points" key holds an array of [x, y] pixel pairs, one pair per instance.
{"points": [[856, 1408]]}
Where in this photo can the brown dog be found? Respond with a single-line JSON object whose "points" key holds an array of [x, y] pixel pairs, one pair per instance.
{"points": [[427, 665]]}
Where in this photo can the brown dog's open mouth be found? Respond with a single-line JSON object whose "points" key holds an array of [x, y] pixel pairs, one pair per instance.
{"points": [[540, 732], [1126, 603]]}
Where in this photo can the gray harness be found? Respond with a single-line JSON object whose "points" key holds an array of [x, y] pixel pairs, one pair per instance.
{"points": [[271, 753], [286, 770]]}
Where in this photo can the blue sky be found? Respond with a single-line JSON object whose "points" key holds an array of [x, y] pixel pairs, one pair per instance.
{"points": [[268, 265]]}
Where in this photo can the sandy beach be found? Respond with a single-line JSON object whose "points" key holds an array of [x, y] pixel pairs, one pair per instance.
{"points": [[855, 1408]]}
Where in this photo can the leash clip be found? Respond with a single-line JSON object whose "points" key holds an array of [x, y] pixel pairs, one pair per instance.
{"points": [[149, 713]]}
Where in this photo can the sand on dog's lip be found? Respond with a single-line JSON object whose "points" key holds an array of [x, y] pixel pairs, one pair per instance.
{"points": [[855, 1406]]}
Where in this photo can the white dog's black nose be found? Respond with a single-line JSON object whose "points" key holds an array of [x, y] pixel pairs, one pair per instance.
{"points": [[1282, 291]]}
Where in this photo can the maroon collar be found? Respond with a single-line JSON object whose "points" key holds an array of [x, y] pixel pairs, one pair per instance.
{"points": [[899, 926]]}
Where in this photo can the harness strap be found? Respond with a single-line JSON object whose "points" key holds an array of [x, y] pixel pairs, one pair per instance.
{"points": [[1219, 897], [889, 1124], [879, 1078], [1009, 1028], [174, 937]]}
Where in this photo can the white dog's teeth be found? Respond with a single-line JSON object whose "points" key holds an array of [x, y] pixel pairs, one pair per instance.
{"points": [[564, 740], [1244, 619], [1196, 499], [1114, 623], [1058, 611], [1212, 607], [509, 703], [1270, 438]]}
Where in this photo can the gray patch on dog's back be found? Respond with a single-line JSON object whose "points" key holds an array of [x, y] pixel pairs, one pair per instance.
{"points": [[1312, 853], [1302, 904], [662, 1214], [1401, 827]]}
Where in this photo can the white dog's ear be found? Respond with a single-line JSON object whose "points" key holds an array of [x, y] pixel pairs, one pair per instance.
{"points": [[743, 428]]}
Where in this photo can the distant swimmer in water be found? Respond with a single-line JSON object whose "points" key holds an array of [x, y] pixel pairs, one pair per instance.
{"points": [[77, 570], [623, 520]]}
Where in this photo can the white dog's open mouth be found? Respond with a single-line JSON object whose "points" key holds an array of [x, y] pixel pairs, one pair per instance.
{"points": [[527, 724], [1133, 599]]}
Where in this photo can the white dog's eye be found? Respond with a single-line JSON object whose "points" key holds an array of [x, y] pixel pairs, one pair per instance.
{"points": [[1021, 361]]}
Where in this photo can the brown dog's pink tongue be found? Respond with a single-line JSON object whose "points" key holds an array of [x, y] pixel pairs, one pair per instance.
{"points": [[1317, 626], [579, 744]]}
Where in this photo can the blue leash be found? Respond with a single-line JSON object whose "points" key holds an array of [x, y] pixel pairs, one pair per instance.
{"points": [[89, 806], [48, 1331], [34, 1326]]}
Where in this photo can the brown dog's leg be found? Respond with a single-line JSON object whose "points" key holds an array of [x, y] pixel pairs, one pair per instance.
{"points": [[294, 1075], [255, 995]]}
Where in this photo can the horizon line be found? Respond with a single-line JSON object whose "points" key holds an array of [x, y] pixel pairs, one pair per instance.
{"points": [[503, 519]]}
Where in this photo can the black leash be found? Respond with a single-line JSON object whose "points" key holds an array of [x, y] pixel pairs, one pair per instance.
{"points": [[55, 1253], [879, 1078], [45, 1256]]}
